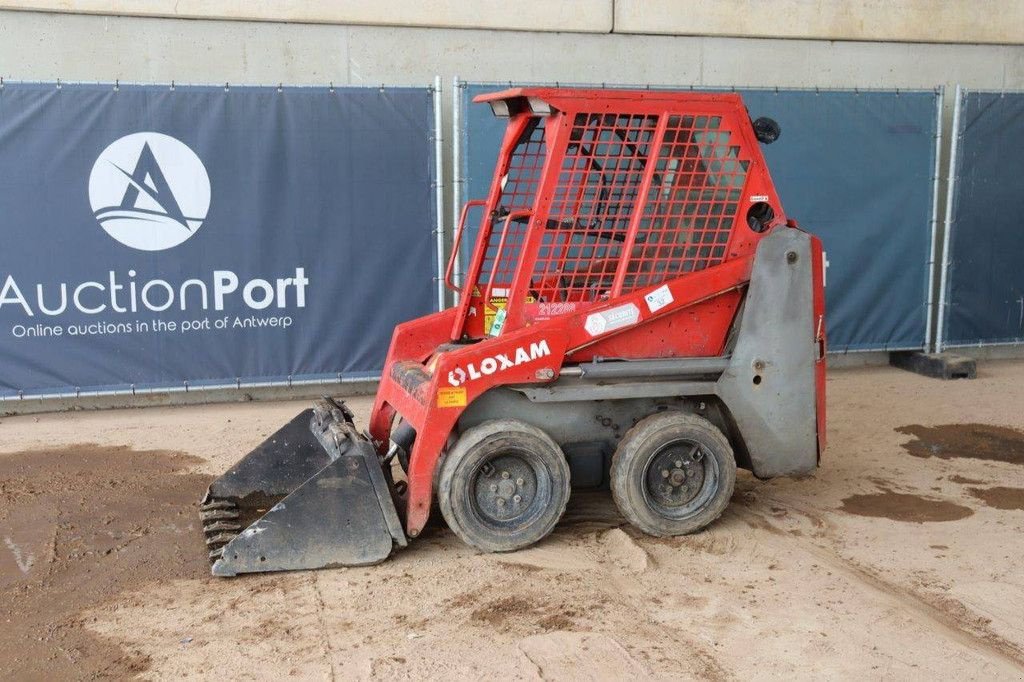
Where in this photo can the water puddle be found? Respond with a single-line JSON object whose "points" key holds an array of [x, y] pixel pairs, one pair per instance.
{"points": [[972, 441], [1000, 497], [904, 507]]}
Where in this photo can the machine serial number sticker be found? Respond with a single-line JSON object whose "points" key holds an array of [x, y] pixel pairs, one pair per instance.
{"points": [[451, 397], [659, 298], [611, 319]]}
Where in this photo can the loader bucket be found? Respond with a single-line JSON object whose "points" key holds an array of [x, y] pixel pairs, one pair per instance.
{"points": [[312, 495]]}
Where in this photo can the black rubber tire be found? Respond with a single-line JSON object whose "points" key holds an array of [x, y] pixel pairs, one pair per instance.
{"points": [[475, 458], [648, 440]]}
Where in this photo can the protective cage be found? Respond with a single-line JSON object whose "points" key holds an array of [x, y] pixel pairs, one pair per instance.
{"points": [[597, 194]]}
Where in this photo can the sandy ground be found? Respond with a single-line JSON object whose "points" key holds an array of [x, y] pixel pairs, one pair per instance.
{"points": [[901, 557]]}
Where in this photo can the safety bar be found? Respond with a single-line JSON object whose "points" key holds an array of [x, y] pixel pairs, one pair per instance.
{"points": [[458, 242], [522, 213]]}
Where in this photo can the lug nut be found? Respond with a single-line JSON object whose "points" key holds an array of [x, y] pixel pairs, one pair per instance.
{"points": [[494, 487], [504, 474], [679, 463], [501, 501], [664, 473], [517, 499], [520, 482]]}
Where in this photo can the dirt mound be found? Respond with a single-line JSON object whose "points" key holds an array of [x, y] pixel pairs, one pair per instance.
{"points": [[78, 527]]}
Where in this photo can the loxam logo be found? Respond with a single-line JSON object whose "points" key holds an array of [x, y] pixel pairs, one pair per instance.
{"points": [[499, 362], [149, 191]]}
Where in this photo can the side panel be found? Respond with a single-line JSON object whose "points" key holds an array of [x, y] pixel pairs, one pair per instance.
{"points": [[770, 385], [699, 330]]}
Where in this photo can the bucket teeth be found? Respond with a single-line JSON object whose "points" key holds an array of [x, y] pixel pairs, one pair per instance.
{"points": [[220, 539], [219, 526], [218, 514], [217, 504]]}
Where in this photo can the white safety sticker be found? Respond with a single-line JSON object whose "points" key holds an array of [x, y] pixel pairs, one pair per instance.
{"points": [[613, 318], [758, 197], [659, 298]]}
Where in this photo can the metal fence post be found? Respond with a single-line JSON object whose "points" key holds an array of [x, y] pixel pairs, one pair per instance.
{"points": [[439, 191], [457, 179], [950, 192], [932, 255]]}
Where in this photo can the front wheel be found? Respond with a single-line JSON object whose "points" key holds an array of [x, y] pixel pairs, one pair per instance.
{"points": [[672, 474], [503, 486]]}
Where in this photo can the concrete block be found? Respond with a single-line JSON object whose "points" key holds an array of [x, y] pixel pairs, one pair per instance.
{"points": [[935, 365]]}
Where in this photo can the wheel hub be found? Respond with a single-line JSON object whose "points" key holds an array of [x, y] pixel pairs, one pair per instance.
{"points": [[675, 475], [505, 487]]}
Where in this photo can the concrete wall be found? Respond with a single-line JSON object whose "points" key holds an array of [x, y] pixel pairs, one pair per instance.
{"points": [[587, 16], [85, 47], [944, 21], [940, 21]]}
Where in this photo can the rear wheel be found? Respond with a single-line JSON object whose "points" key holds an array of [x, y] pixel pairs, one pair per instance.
{"points": [[503, 486], [673, 474]]}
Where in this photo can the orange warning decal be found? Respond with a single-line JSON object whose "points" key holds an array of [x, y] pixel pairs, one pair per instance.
{"points": [[451, 397]]}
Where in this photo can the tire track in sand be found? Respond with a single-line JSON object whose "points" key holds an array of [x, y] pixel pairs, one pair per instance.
{"points": [[919, 606]]}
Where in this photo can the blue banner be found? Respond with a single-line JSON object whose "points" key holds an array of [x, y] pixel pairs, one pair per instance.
{"points": [[984, 281], [161, 236], [855, 168]]}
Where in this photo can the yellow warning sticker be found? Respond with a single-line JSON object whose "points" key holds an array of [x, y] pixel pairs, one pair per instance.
{"points": [[491, 310], [494, 313], [451, 397]]}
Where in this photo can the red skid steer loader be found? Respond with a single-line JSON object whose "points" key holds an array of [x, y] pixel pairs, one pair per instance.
{"points": [[638, 314]]}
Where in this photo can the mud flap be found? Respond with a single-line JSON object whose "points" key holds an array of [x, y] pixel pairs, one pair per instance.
{"points": [[313, 495]]}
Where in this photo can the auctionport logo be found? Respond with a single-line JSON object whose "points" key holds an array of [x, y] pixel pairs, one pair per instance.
{"points": [[149, 191]]}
